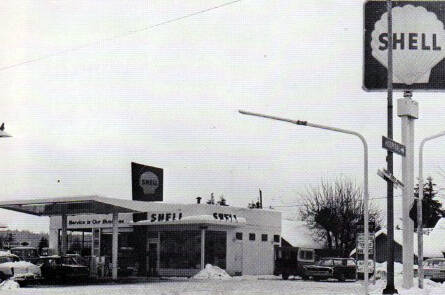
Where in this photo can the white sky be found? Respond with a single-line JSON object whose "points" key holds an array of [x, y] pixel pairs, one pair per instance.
{"points": [[169, 96]]}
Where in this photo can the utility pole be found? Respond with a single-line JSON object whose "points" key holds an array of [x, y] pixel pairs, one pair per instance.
{"points": [[390, 289]]}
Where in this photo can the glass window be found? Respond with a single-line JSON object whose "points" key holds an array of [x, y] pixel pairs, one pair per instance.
{"points": [[325, 262], [251, 237], [239, 236], [276, 238], [180, 249], [339, 262], [216, 248], [264, 237]]}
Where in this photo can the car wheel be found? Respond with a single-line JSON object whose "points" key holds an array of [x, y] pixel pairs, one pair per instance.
{"points": [[341, 278], [316, 278], [304, 278], [285, 276]]}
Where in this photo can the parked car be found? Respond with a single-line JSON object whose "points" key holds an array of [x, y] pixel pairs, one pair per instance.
{"points": [[23, 272], [361, 268], [434, 269], [338, 268], [290, 261], [62, 268], [29, 254]]}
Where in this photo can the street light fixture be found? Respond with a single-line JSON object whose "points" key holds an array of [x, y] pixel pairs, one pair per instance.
{"points": [[365, 178], [2, 132], [419, 209]]}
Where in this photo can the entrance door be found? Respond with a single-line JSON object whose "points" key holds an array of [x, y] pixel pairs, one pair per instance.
{"points": [[152, 259], [238, 257]]}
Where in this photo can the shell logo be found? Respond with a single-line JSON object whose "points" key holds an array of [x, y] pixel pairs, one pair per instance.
{"points": [[418, 43], [149, 182]]}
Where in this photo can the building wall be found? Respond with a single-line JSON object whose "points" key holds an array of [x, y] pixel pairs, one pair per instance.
{"points": [[382, 251], [247, 257]]}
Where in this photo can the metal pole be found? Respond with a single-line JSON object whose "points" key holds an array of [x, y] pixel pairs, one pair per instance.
{"points": [[64, 236], [115, 245], [365, 180], [419, 209], [408, 110], [390, 289]]}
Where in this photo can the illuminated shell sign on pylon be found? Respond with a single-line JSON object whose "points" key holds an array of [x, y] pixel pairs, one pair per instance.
{"points": [[418, 43]]}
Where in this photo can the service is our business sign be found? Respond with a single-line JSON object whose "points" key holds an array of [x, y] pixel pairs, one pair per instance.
{"points": [[418, 45]]}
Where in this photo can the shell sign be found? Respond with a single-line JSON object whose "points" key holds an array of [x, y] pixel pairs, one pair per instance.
{"points": [[418, 45]]}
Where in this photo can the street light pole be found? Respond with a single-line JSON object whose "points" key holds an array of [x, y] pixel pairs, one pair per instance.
{"points": [[365, 178], [419, 209]]}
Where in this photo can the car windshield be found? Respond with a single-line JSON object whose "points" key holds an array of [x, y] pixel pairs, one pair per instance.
{"points": [[4, 259], [69, 260]]}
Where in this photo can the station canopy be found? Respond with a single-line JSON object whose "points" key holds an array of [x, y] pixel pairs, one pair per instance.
{"points": [[73, 205]]}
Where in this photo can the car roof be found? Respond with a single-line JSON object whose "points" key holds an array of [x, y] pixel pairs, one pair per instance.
{"points": [[8, 255], [24, 248]]}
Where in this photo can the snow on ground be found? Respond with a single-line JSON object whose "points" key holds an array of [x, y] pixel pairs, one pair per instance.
{"points": [[211, 272], [9, 285], [244, 285]]}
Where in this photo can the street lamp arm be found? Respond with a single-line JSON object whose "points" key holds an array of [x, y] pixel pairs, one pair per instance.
{"points": [[365, 180], [419, 208]]}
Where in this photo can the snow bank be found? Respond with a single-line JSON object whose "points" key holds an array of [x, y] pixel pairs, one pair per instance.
{"points": [[4, 253], [211, 272], [430, 287], [9, 285]]}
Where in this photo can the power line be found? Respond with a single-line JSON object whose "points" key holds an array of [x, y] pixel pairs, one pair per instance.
{"points": [[128, 33], [301, 205]]}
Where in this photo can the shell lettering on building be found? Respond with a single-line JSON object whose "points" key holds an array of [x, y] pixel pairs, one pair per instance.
{"points": [[418, 43]]}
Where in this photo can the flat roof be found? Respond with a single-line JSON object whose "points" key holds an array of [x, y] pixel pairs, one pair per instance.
{"points": [[72, 205]]}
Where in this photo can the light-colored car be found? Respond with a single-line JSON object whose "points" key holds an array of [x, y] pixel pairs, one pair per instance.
{"points": [[22, 272], [434, 269]]}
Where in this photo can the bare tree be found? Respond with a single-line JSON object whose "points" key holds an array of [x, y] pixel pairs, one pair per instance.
{"points": [[334, 211]]}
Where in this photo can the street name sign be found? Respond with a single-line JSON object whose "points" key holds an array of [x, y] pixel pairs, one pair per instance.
{"points": [[393, 146], [418, 45], [389, 177]]}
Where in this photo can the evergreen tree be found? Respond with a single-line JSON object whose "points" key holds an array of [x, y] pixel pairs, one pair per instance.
{"points": [[431, 208]]}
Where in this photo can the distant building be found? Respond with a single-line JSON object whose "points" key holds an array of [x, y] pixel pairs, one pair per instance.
{"points": [[433, 243], [15, 238]]}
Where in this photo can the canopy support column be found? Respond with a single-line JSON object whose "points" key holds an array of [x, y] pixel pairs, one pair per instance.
{"points": [[203, 246], [64, 239], [115, 240]]}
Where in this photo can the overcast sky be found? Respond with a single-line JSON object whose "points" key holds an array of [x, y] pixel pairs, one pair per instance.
{"points": [[168, 97]]}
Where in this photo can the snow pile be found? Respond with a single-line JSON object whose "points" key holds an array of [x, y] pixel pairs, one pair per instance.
{"points": [[9, 285], [211, 272], [380, 272], [430, 287], [4, 253]]}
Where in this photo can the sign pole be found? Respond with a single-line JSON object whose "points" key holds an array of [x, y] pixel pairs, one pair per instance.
{"points": [[390, 289], [408, 110]]}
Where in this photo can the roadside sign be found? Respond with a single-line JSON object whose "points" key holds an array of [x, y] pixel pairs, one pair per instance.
{"points": [[361, 243], [418, 45], [383, 173], [393, 146]]}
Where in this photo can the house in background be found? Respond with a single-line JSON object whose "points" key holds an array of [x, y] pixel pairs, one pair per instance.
{"points": [[433, 243], [295, 233]]}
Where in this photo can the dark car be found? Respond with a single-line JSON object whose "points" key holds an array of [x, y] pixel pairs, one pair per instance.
{"points": [[337, 268], [62, 268], [291, 260], [25, 253]]}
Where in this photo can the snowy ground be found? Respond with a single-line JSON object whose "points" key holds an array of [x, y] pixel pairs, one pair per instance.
{"points": [[249, 285], [237, 286]]}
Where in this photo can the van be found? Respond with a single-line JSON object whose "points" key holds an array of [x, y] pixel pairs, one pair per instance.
{"points": [[291, 261]]}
